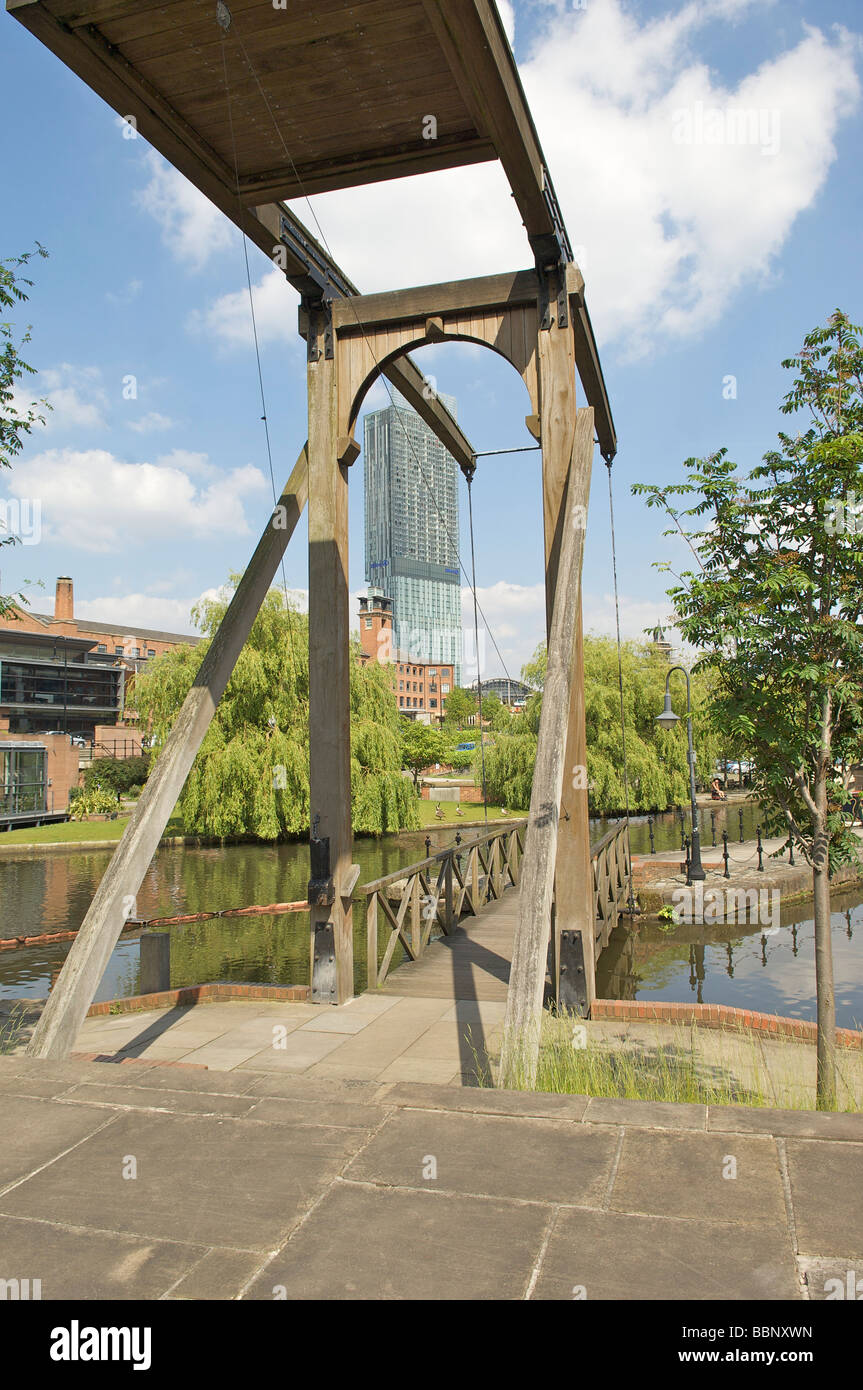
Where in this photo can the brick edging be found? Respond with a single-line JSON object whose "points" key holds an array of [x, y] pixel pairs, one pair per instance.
{"points": [[200, 994], [721, 1016]]}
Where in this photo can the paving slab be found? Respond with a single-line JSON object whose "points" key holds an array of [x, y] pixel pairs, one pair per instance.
{"points": [[645, 1114], [534, 1160], [186, 1102], [219, 1274], [606, 1255], [407, 1245], [682, 1175], [36, 1131], [83, 1264], [827, 1196], [485, 1100], [298, 1052], [203, 1181], [805, 1124]]}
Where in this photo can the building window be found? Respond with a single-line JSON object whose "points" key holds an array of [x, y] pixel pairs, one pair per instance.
{"points": [[151, 651], [118, 651], [401, 685], [444, 690], [433, 704], [101, 648], [368, 622], [401, 699]]}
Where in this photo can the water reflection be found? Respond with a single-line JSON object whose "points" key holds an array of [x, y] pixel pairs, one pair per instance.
{"points": [[740, 964]]}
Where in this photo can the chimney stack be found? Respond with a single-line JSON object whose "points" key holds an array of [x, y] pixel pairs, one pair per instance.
{"points": [[64, 602]]}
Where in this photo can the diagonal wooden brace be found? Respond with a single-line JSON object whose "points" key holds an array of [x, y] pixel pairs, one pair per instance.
{"points": [[85, 964]]}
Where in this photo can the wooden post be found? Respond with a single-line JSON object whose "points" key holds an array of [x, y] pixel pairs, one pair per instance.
{"points": [[448, 910], [557, 854], [329, 649], [73, 994], [155, 971], [573, 882], [416, 920], [372, 940], [523, 1021]]}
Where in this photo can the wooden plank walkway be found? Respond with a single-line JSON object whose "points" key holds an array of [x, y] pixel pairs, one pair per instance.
{"points": [[470, 964]]}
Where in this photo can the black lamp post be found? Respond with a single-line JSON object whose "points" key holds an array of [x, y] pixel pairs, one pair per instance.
{"points": [[667, 720]]}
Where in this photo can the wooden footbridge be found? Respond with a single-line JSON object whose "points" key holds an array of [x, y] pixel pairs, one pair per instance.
{"points": [[256, 103]]}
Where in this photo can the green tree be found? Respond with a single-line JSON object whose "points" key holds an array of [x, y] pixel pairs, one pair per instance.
{"points": [[460, 704], [15, 422], [494, 712], [422, 747], [656, 761], [775, 608], [251, 776], [533, 671]]}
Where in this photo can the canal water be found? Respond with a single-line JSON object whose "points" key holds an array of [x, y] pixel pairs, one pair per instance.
{"points": [[52, 893]]}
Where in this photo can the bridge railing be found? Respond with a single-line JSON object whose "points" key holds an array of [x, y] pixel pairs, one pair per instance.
{"points": [[435, 893], [611, 864]]}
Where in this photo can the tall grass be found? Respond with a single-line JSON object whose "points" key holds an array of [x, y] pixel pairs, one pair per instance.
{"points": [[640, 1068], [12, 1029]]}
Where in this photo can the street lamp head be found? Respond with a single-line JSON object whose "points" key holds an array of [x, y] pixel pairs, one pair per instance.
{"points": [[667, 719]]}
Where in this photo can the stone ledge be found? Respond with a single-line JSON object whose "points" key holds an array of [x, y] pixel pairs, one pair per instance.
{"points": [[200, 994], [720, 1016]]}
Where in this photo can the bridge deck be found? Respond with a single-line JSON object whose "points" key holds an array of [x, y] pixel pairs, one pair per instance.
{"points": [[472, 963]]}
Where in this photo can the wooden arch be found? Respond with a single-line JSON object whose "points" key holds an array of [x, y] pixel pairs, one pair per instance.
{"points": [[365, 352]]}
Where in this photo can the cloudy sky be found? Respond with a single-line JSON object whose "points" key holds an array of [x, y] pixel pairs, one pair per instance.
{"points": [[706, 155]]}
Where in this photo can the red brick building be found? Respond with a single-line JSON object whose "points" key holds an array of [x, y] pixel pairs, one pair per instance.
{"points": [[420, 687], [67, 674]]}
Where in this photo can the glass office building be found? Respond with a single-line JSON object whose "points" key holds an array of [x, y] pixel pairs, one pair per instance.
{"points": [[412, 531]]}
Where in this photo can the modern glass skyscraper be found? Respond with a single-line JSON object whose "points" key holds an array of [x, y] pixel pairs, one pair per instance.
{"points": [[411, 517]]}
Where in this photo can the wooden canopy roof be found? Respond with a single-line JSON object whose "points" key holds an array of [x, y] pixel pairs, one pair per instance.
{"points": [[324, 94], [279, 103]]}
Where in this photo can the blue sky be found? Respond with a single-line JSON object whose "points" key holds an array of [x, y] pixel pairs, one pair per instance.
{"points": [[705, 257]]}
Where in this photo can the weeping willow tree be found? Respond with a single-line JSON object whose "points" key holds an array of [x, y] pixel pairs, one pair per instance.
{"points": [[251, 776], [656, 759]]}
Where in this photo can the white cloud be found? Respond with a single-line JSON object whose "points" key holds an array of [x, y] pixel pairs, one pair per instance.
{"points": [[669, 231], [76, 396], [192, 227], [151, 423], [94, 501], [515, 614], [229, 321], [507, 14]]}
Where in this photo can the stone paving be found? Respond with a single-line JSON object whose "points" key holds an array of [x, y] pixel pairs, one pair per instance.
{"points": [[149, 1182], [385, 1037]]}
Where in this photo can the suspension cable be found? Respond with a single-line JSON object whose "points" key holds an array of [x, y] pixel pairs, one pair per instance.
{"points": [[224, 20]]}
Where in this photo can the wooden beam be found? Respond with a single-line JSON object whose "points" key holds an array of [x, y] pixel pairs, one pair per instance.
{"points": [[436, 301], [85, 964], [479, 55], [329, 662], [410, 383]]}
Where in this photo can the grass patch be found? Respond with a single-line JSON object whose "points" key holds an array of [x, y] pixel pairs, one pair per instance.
{"points": [[12, 1027], [639, 1068], [74, 832]]}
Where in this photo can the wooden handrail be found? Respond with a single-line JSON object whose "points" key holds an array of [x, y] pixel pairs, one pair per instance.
{"points": [[505, 828], [607, 838]]}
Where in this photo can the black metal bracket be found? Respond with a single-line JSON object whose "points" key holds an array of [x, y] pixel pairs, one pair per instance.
{"points": [[318, 314], [552, 295], [572, 988], [323, 278], [322, 889]]}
